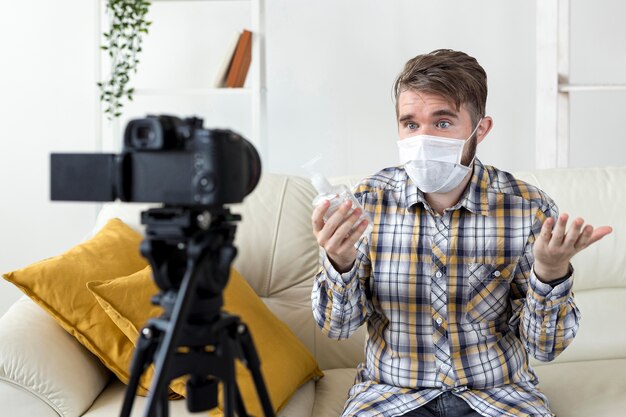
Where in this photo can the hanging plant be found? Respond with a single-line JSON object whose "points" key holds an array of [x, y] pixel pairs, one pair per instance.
{"points": [[123, 41]]}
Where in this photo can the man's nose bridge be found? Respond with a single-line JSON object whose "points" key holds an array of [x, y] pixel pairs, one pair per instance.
{"points": [[426, 129]]}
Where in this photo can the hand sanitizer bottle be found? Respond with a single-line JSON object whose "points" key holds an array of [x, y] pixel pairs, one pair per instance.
{"points": [[336, 195]]}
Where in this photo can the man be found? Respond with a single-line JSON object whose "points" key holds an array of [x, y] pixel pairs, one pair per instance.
{"points": [[466, 272]]}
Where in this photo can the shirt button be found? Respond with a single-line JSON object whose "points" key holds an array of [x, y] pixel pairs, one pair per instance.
{"points": [[439, 321], [497, 273], [548, 325], [438, 274]]}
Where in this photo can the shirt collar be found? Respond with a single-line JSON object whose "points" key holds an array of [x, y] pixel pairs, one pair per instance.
{"points": [[475, 198]]}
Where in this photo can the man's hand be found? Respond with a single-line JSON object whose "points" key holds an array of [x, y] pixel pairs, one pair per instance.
{"points": [[335, 235], [553, 249]]}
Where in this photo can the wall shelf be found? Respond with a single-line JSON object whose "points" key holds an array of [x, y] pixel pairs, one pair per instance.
{"points": [[192, 91], [570, 88], [253, 95]]}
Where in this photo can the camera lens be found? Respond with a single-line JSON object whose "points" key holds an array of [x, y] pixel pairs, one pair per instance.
{"points": [[254, 166]]}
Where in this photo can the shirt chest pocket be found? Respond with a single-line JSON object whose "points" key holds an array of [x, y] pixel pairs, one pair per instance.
{"points": [[487, 289]]}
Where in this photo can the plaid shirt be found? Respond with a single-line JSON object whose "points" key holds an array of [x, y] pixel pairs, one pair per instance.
{"points": [[451, 301]]}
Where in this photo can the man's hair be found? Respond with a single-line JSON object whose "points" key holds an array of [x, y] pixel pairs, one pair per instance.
{"points": [[453, 75]]}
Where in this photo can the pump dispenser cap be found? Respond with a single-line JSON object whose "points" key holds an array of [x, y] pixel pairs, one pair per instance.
{"points": [[321, 184]]}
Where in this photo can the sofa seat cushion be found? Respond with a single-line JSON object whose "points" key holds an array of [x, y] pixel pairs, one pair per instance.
{"points": [[331, 392], [109, 403], [582, 389], [574, 389]]}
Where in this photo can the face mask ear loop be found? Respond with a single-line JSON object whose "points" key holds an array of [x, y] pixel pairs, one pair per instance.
{"points": [[467, 140], [475, 129]]}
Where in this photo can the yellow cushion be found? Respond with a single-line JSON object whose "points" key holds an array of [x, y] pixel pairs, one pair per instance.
{"points": [[286, 364], [58, 285]]}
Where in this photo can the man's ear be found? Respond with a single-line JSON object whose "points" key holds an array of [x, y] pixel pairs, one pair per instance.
{"points": [[484, 127]]}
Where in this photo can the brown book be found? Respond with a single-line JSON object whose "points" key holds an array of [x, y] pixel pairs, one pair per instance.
{"points": [[222, 72], [241, 61]]}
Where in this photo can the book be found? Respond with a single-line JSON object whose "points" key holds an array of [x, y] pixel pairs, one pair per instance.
{"points": [[241, 61], [222, 72]]}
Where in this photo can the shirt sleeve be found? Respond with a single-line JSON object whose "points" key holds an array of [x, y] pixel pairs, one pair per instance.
{"points": [[545, 316], [339, 300]]}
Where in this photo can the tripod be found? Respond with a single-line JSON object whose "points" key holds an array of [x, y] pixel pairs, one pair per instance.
{"points": [[191, 251]]}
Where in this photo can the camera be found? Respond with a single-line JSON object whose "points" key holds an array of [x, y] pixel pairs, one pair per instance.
{"points": [[165, 159], [193, 172]]}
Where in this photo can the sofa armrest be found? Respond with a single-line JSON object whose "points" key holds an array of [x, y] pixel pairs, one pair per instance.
{"points": [[45, 364]]}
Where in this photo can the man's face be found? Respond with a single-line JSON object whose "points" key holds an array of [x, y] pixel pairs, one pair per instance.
{"points": [[422, 113]]}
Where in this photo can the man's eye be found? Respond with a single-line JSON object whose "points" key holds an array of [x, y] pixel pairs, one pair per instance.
{"points": [[443, 124], [411, 126]]}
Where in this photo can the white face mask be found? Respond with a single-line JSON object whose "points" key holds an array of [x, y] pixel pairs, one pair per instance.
{"points": [[433, 162]]}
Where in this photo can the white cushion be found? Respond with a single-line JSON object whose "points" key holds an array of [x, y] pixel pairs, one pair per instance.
{"points": [[598, 196], [110, 403], [584, 389], [38, 357], [23, 401], [601, 334], [331, 392]]}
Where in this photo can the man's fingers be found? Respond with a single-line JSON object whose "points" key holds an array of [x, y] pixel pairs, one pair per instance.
{"points": [[592, 236], [573, 232], [354, 235], [559, 231], [546, 231], [339, 216], [582, 240], [317, 219], [343, 232], [333, 223]]}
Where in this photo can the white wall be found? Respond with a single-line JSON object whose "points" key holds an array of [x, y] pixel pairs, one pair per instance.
{"points": [[46, 104], [330, 68]]}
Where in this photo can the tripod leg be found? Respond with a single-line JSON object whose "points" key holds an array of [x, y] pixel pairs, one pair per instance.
{"points": [[241, 407], [164, 354], [229, 398], [141, 360], [254, 365]]}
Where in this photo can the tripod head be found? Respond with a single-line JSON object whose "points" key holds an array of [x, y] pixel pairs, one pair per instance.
{"points": [[179, 236], [191, 250]]}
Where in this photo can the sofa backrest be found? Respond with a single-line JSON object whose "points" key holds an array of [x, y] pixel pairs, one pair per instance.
{"points": [[598, 195], [278, 256]]}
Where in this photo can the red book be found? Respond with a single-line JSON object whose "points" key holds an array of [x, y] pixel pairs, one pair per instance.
{"points": [[241, 61]]}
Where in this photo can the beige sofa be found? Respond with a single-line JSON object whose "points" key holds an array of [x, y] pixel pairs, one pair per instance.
{"points": [[45, 372]]}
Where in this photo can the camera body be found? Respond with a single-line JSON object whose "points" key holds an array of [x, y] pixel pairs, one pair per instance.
{"points": [[166, 160]]}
